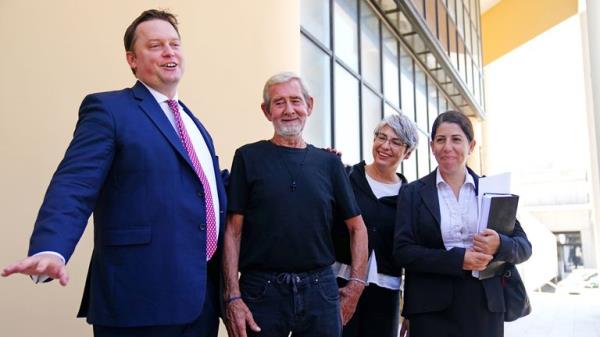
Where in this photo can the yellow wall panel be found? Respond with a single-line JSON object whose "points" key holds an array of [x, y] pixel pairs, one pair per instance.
{"points": [[512, 23]]}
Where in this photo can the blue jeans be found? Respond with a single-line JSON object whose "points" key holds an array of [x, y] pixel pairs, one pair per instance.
{"points": [[305, 304]]}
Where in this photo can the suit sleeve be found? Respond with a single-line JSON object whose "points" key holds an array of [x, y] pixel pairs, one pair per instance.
{"points": [[409, 250], [78, 180], [515, 248]]}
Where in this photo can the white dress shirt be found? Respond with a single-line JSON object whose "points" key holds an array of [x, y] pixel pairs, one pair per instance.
{"points": [[458, 217], [200, 146]]}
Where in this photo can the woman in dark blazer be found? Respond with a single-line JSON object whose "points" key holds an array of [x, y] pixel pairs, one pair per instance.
{"points": [[376, 187], [437, 243]]}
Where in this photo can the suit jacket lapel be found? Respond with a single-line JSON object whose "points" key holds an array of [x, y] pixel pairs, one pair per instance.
{"points": [[430, 197], [149, 105], [211, 149]]}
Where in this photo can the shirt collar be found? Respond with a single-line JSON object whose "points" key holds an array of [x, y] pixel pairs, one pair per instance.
{"points": [[468, 180], [160, 98]]}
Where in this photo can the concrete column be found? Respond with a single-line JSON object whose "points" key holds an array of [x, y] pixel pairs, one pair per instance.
{"points": [[590, 16]]}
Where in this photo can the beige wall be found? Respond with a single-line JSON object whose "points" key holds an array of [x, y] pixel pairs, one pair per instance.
{"points": [[54, 52]]}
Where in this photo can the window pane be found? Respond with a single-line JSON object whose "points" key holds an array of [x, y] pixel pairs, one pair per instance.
{"points": [[452, 43], [452, 9], [314, 17], [432, 162], [459, 17], [390, 68], [407, 84], [409, 167], [432, 104], [469, 67], [468, 46], [443, 104], [419, 6], [371, 64], [315, 70], [475, 45], [423, 155], [442, 26], [346, 115], [421, 98], [432, 112], [461, 58], [477, 92], [388, 110], [346, 32], [474, 11], [388, 5], [371, 115], [422, 120], [431, 16]]}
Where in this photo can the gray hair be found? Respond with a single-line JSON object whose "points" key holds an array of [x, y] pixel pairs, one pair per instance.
{"points": [[283, 78], [403, 127]]}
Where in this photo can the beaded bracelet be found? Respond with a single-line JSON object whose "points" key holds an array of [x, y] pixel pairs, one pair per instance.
{"points": [[356, 279], [232, 298]]}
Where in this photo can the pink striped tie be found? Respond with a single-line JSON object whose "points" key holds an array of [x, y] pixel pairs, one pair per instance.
{"points": [[211, 223]]}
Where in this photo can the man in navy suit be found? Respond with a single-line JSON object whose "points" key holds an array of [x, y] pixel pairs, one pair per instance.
{"points": [[147, 169]]}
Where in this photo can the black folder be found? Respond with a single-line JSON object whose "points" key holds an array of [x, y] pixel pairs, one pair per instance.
{"points": [[501, 218], [503, 213]]}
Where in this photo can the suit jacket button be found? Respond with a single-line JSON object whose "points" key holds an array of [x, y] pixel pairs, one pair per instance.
{"points": [[200, 194], [202, 227]]}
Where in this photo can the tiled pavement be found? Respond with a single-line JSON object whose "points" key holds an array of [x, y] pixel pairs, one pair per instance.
{"points": [[559, 315], [553, 315]]}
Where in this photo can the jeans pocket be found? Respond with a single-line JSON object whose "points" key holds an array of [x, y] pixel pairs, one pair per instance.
{"points": [[328, 289], [253, 288]]}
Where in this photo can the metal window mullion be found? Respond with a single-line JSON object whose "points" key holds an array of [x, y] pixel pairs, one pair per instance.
{"points": [[316, 41], [426, 121], [381, 83], [360, 87], [332, 70], [398, 59], [414, 93]]}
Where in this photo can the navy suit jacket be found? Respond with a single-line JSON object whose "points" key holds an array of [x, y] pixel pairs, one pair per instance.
{"points": [[430, 269], [127, 165]]}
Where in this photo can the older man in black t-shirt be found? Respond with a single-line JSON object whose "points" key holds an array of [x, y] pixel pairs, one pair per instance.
{"points": [[283, 196]]}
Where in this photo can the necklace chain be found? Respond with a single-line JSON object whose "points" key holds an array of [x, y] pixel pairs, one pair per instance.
{"points": [[293, 185]]}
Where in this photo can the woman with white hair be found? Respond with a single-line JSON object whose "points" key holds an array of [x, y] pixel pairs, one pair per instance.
{"points": [[376, 186]]}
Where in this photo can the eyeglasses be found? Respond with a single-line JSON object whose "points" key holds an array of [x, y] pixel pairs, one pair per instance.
{"points": [[381, 138]]}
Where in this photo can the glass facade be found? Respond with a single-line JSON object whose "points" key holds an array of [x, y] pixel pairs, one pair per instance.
{"points": [[366, 59]]}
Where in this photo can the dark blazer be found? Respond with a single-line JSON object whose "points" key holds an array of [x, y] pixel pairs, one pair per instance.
{"points": [[127, 165], [379, 216], [430, 269]]}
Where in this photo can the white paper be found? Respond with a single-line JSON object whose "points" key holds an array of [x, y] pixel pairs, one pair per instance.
{"points": [[498, 184], [484, 210]]}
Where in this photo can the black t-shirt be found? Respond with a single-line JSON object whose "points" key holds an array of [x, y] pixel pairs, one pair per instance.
{"points": [[287, 226]]}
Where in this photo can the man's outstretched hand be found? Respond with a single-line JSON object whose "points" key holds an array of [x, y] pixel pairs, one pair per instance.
{"points": [[39, 265]]}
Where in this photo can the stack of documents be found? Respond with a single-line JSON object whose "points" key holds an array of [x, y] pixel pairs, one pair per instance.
{"points": [[497, 211]]}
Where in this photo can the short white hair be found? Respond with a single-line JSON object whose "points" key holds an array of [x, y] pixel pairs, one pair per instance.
{"points": [[283, 78], [403, 127]]}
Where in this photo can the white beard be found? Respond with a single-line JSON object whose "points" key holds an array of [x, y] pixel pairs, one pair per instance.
{"points": [[289, 130]]}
